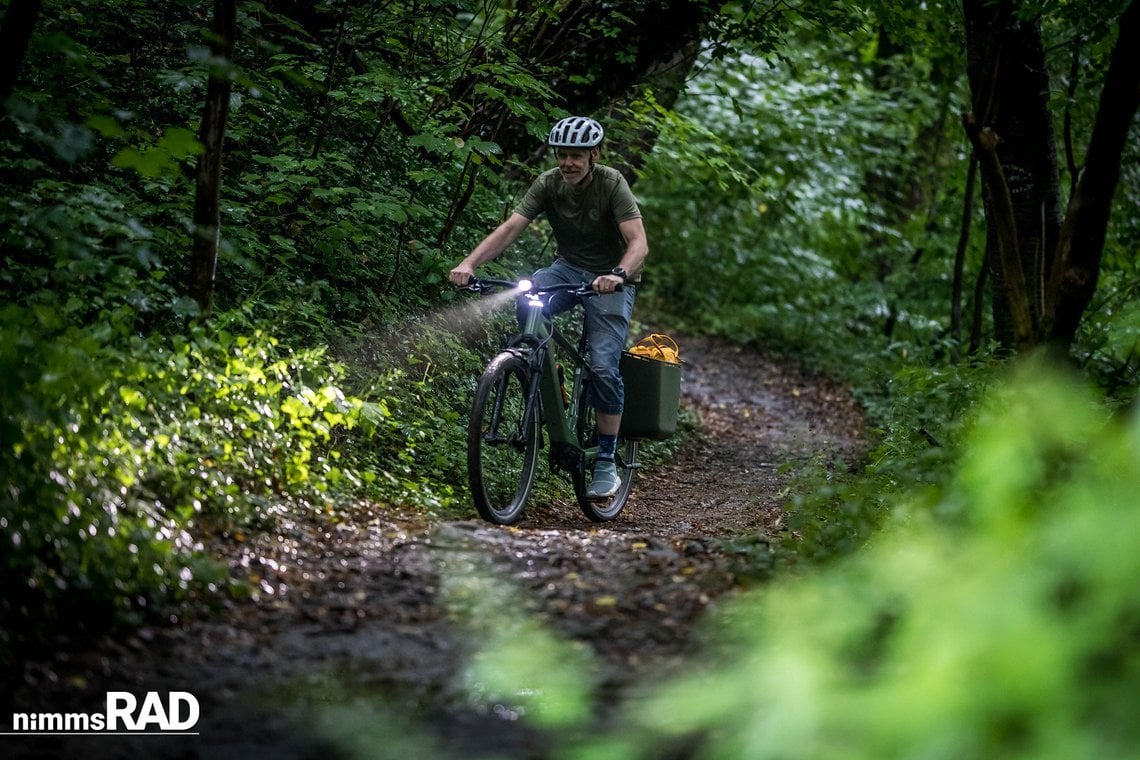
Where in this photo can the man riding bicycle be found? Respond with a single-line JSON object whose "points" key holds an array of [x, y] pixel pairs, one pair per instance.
{"points": [[601, 242]]}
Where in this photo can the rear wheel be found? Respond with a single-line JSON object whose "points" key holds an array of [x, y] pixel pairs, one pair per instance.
{"points": [[502, 449], [603, 510]]}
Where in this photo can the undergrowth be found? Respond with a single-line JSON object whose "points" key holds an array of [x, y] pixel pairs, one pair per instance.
{"points": [[119, 450]]}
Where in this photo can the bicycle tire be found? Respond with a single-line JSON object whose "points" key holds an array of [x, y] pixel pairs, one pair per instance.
{"points": [[502, 457], [604, 510]]}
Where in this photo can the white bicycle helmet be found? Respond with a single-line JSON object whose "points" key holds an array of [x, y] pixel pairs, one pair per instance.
{"points": [[576, 132]]}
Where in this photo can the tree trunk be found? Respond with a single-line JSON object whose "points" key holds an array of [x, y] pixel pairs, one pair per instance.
{"points": [[1012, 132], [1077, 258], [15, 34], [207, 200]]}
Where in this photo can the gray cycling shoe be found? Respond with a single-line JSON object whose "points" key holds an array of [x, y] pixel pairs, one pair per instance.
{"points": [[606, 481]]}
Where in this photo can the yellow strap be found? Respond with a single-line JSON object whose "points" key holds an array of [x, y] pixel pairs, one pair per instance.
{"points": [[657, 346]]}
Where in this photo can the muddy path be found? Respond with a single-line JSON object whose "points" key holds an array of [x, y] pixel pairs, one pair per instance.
{"points": [[371, 608]]}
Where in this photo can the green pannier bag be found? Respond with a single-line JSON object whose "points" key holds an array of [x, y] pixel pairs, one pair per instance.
{"points": [[651, 371]]}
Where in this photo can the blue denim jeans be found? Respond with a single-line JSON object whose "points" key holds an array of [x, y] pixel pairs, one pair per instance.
{"points": [[607, 324]]}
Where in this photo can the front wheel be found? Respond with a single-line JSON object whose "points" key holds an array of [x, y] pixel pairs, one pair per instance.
{"points": [[502, 446], [604, 510]]}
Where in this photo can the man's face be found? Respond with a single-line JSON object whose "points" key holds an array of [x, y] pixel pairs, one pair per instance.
{"points": [[574, 163]]}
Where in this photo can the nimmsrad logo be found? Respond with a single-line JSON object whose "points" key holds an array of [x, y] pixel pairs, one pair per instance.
{"points": [[125, 713]]}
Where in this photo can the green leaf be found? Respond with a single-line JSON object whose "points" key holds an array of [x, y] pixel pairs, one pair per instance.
{"points": [[107, 126]]}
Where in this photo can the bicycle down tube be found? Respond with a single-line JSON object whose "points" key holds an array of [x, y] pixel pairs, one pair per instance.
{"points": [[544, 371]]}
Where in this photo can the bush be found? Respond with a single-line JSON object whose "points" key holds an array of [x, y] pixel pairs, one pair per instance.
{"points": [[1008, 630], [115, 450]]}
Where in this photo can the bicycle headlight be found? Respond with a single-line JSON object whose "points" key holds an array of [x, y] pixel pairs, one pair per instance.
{"points": [[524, 285]]}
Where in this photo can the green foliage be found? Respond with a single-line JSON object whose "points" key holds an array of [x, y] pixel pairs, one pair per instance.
{"points": [[873, 657], [796, 248], [1110, 333], [416, 380], [326, 194], [921, 417], [116, 452], [993, 619], [120, 451], [844, 206]]}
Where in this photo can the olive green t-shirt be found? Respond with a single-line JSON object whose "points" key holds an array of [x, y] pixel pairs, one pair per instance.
{"points": [[585, 220]]}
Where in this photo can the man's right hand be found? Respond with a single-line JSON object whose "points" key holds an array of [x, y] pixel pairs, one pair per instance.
{"points": [[461, 274]]}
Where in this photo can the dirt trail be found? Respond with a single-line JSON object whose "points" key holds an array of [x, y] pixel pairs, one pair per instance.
{"points": [[354, 609]]}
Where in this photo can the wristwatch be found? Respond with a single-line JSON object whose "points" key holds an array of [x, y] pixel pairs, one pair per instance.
{"points": [[619, 272]]}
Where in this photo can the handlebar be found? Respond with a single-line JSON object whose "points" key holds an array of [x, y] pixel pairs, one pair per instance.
{"points": [[483, 285]]}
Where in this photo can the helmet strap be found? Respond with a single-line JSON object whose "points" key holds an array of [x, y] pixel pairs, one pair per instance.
{"points": [[589, 172]]}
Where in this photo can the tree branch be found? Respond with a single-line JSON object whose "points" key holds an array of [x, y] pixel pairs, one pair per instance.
{"points": [[985, 142]]}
